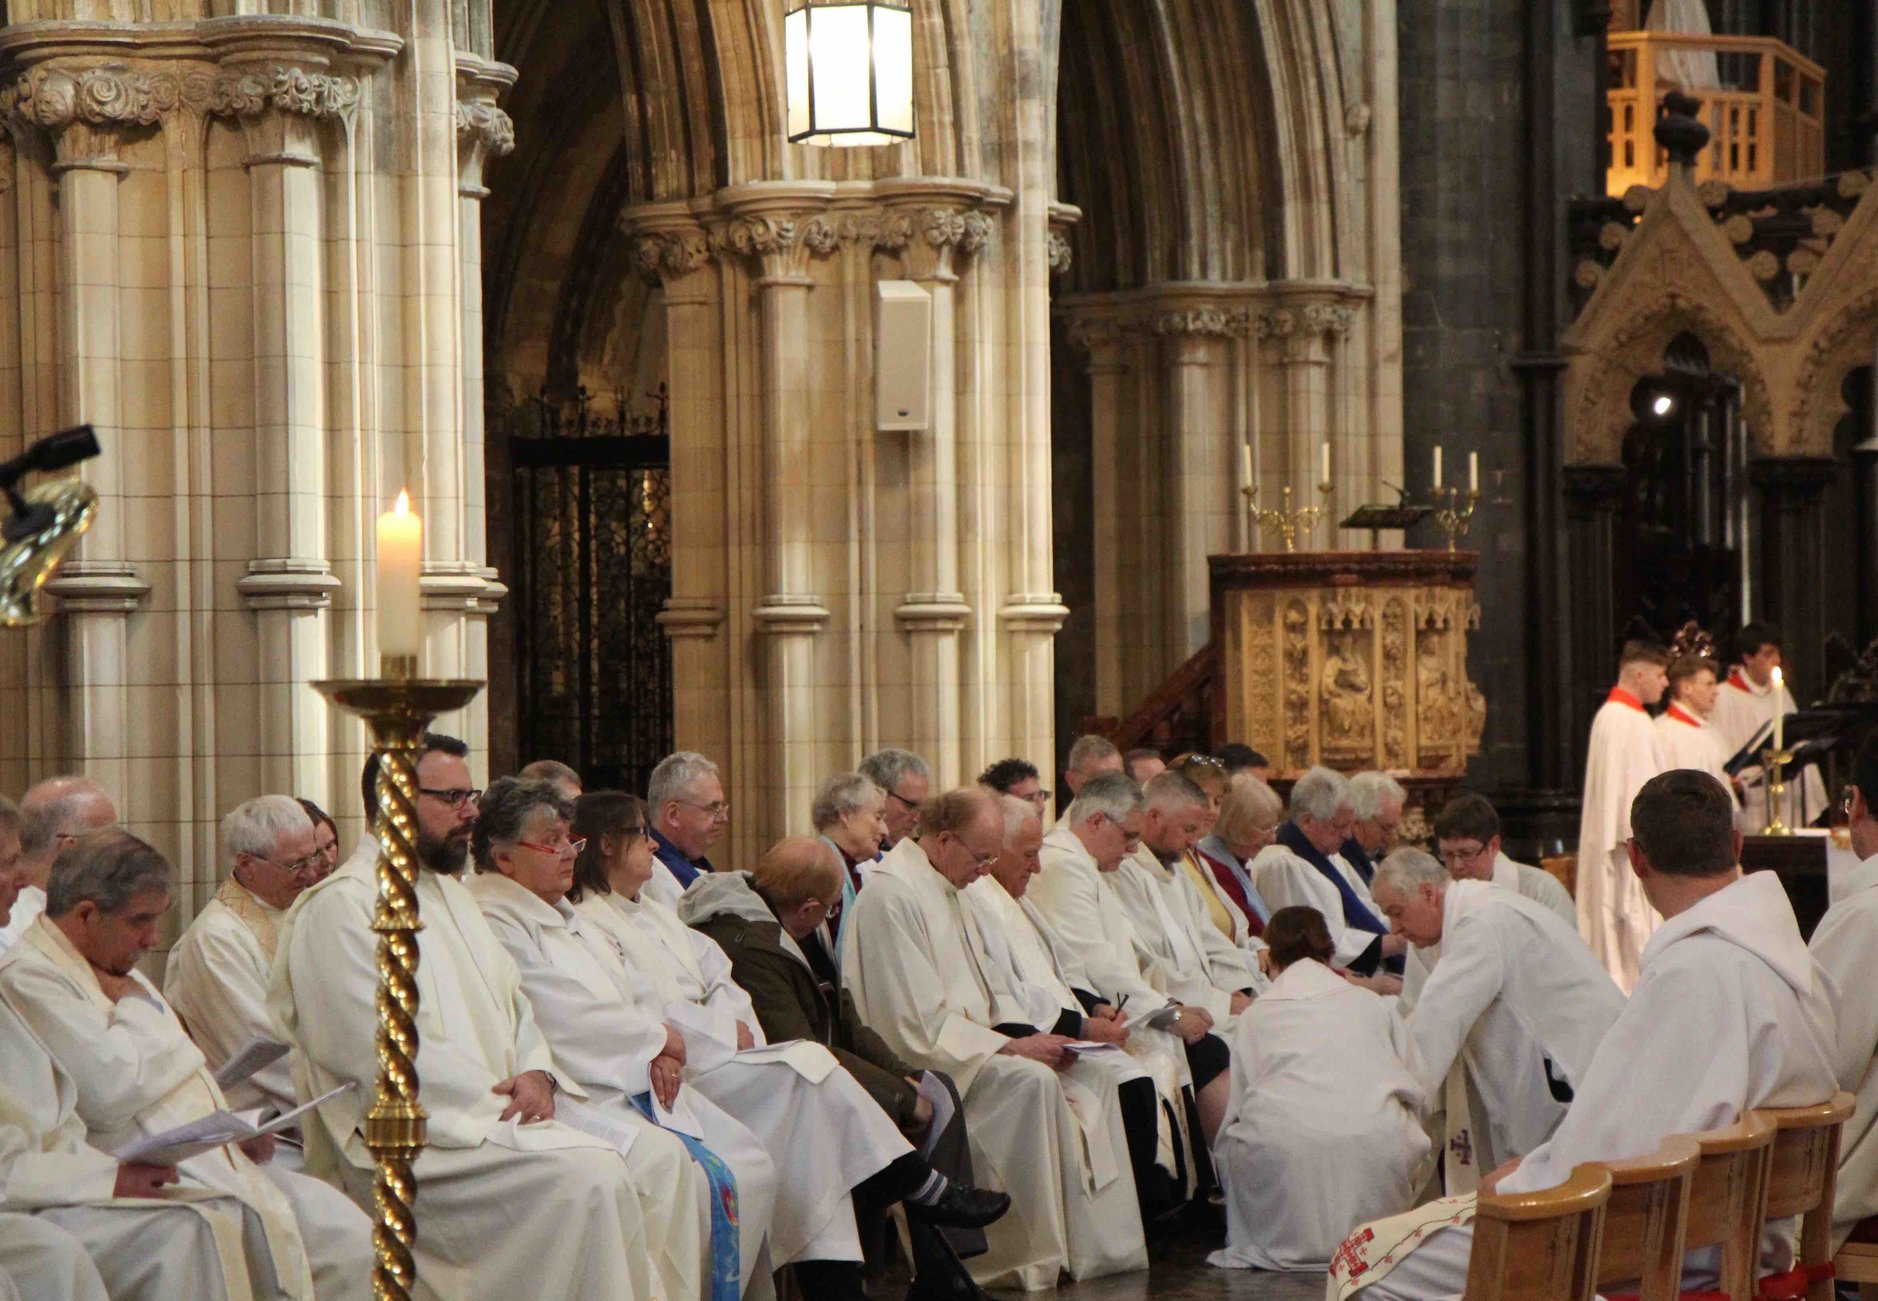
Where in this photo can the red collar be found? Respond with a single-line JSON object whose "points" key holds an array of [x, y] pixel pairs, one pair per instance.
{"points": [[1676, 712], [1738, 682], [1619, 696]]}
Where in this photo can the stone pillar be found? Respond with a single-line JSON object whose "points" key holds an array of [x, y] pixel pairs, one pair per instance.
{"points": [[1791, 566], [1593, 502], [1202, 451], [1099, 338]]}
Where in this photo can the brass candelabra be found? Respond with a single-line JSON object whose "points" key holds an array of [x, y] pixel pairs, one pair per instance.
{"points": [[1284, 522], [1774, 762], [397, 709], [1451, 517]]}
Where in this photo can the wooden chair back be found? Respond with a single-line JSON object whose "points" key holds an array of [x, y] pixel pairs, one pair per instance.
{"points": [[1802, 1178], [1728, 1200], [1643, 1222], [1540, 1246]]}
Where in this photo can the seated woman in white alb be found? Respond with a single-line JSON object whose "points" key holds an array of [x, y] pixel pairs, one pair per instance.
{"points": [[1322, 1130]]}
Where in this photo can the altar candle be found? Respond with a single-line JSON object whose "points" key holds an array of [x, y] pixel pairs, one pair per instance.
{"points": [[1473, 472], [1245, 464], [1437, 465], [1780, 714], [1326, 478], [400, 563]]}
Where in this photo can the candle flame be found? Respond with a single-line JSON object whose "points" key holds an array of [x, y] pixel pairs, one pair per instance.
{"points": [[404, 502], [1777, 677]]}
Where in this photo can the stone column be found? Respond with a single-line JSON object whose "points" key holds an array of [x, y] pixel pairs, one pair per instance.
{"points": [[1792, 567], [1202, 452], [1593, 501], [1098, 336]]}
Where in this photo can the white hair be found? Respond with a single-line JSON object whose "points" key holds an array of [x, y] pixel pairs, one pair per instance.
{"points": [[1017, 812], [888, 768], [674, 776], [1320, 792], [841, 795], [1112, 794], [1407, 868], [1369, 791], [256, 824]]}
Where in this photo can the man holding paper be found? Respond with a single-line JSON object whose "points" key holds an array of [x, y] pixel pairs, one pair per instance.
{"points": [[218, 972], [72, 979]]}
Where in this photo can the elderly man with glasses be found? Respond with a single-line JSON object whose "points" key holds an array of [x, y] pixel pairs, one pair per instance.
{"points": [[218, 972], [907, 779], [688, 809]]}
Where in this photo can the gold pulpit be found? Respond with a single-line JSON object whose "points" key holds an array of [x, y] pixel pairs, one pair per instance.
{"points": [[1351, 659]]}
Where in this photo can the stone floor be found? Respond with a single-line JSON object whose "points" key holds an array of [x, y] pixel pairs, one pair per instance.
{"points": [[1177, 1271]]}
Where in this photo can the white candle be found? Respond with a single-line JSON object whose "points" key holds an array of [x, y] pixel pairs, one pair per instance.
{"points": [[400, 564], [1326, 478], [1473, 472], [1437, 466], [1245, 464], [1780, 714]]}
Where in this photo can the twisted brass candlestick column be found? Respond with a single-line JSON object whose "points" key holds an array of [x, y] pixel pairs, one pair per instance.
{"points": [[397, 710]]}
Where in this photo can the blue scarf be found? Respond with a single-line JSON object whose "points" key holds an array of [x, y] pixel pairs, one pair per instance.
{"points": [[674, 858], [1355, 912], [726, 1246], [1356, 857]]}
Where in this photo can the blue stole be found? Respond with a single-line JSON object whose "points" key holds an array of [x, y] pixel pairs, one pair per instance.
{"points": [[1214, 847], [726, 1247], [674, 859], [1354, 855], [1355, 912]]}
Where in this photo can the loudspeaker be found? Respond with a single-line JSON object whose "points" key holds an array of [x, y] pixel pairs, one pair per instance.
{"points": [[902, 356]]}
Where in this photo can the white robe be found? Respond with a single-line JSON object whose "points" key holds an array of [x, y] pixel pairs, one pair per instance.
{"points": [[1535, 883], [1203, 968], [1741, 710], [137, 1074], [139, 1249], [1613, 915], [1515, 988], [491, 1193], [1730, 1013], [1846, 947], [1284, 880], [1080, 905], [1686, 740], [921, 982], [1322, 1129], [26, 910], [822, 1130]]}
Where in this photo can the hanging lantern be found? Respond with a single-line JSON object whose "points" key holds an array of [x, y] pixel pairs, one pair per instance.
{"points": [[850, 71]]}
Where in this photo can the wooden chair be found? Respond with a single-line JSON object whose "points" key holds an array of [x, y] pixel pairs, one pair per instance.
{"points": [[1728, 1201], [1857, 1261], [1801, 1180], [1643, 1223], [1540, 1246]]}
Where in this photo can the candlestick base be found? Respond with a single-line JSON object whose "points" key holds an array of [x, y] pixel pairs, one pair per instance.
{"points": [[1775, 762]]}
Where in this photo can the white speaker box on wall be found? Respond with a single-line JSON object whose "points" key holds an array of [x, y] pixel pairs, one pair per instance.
{"points": [[902, 356]]}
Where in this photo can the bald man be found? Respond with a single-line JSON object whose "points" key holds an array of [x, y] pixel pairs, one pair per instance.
{"points": [[53, 814]]}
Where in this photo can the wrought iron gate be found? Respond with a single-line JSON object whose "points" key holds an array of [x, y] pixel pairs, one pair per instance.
{"points": [[592, 515]]}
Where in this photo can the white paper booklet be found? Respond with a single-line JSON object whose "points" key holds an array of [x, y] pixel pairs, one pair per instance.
{"points": [[251, 1058], [217, 1129], [578, 1115], [941, 1100]]}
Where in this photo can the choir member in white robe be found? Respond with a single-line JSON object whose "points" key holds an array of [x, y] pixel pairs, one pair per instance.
{"points": [[1756, 691], [52, 814], [1136, 1076], [218, 971], [919, 979], [1075, 896], [1845, 945], [72, 979], [1324, 1128], [1730, 1013], [1304, 868], [1684, 735], [500, 1178], [1613, 916], [1516, 1001]]}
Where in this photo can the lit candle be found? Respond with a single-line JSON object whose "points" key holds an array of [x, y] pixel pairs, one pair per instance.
{"points": [[1473, 472], [1245, 464], [1780, 714], [1437, 466], [400, 563], [1326, 478]]}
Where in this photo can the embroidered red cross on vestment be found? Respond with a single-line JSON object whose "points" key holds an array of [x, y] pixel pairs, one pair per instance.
{"points": [[1349, 1260]]}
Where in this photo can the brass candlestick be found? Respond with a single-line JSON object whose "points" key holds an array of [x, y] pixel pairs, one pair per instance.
{"points": [[1450, 516], [397, 709], [1775, 763], [1285, 522]]}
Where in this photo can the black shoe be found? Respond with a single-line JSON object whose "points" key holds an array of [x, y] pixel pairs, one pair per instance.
{"points": [[957, 1288], [939, 1274], [961, 1207]]}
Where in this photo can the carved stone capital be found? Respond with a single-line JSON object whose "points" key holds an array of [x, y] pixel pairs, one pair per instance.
{"points": [[1213, 322], [930, 238], [1306, 329], [84, 108], [1061, 256], [251, 90], [483, 131], [665, 255], [781, 243]]}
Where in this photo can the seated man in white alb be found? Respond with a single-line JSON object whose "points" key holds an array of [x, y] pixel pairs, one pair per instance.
{"points": [[1324, 1127], [921, 980], [1305, 868], [219, 969], [72, 979], [1074, 893], [1730, 1013], [1141, 1083], [1202, 965], [499, 1176], [53, 813], [1467, 838], [1512, 1012]]}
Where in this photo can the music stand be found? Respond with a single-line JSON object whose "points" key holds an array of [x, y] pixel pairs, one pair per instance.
{"points": [[1376, 517]]}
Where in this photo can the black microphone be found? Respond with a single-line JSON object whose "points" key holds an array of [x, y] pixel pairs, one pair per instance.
{"points": [[53, 452]]}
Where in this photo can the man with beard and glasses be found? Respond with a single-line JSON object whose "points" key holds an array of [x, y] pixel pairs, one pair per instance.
{"points": [[501, 1175]]}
